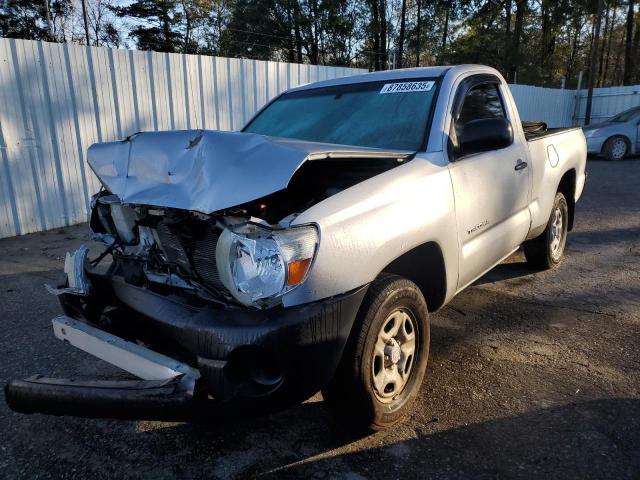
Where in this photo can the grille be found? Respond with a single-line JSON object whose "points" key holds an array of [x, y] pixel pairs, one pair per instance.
{"points": [[202, 261], [172, 246]]}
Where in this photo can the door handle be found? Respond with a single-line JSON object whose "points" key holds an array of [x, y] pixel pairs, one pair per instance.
{"points": [[520, 165]]}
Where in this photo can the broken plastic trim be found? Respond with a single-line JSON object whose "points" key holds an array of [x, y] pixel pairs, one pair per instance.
{"points": [[121, 399], [75, 265], [128, 356], [165, 393]]}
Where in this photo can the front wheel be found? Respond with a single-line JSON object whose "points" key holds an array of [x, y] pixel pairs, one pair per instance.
{"points": [[384, 362], [547, 250]]}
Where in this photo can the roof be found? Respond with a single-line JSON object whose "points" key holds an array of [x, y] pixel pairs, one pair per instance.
{"points": [[399, 74]]}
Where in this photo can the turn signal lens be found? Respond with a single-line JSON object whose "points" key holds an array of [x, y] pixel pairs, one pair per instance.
{"points": [[297, 271]]}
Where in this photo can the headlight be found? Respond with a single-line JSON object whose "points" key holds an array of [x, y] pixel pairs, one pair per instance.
{"points": [[256, 263], [589, 133]]}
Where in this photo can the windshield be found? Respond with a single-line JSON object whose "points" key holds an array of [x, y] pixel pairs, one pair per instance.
{"points": [[626, 115], [387, 114]]}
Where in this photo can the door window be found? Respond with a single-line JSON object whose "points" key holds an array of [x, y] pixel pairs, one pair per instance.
{"points": [[482, 101]]}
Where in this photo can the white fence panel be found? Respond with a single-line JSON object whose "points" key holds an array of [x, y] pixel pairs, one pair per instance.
{"points": [[608, 101], [57, 99], [553, 106]]}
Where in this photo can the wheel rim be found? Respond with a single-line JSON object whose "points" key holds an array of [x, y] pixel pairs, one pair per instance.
{"points": [[394, 355], [558, 233], [619, 149]]}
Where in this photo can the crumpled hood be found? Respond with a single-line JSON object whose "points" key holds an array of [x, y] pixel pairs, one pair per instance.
{"points": [[205, 170]]}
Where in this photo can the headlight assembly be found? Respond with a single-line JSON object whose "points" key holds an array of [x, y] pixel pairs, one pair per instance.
{"points": [[256, 263]]}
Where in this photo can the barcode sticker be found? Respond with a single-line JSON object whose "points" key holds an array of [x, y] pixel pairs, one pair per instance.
{"points": [[407, 87]]}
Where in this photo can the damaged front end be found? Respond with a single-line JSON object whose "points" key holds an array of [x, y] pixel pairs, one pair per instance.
{"points": [[227, 258], [191, 301]]}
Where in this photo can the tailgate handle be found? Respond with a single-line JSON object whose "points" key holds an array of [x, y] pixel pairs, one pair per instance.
{"points": [[520, 165]]}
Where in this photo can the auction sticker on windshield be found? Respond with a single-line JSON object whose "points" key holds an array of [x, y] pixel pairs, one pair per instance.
{"points": [[405, 87]]}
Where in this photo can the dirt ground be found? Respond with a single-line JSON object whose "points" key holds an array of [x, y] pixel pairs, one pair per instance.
{"points": [[531, 375]]}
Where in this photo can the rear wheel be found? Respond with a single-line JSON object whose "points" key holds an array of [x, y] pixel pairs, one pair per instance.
{"points": [[385, 360], [615, 148], [547, 250]]}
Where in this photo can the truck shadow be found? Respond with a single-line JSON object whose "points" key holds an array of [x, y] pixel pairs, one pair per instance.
{"points": [[506, 271], [595, 439], [517, 267], [592, 439]]}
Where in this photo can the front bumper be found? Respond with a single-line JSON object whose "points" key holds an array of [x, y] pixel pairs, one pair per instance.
{"points": [[243, 352], [239, 358]]}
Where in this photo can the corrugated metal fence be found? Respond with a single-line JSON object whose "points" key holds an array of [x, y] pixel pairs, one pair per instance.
{"points": [[552, 105], [57, 99], [607, 102], [562, 108]]}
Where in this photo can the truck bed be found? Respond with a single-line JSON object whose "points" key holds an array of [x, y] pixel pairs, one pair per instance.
{"points": [[535, 130]]}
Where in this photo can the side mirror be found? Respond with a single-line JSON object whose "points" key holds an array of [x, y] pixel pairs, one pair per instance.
{"points": [[485, 134]]}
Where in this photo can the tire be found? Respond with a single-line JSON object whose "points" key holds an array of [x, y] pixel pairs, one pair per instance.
{"points": [[547, 250], [375, 385], [615, 148]]}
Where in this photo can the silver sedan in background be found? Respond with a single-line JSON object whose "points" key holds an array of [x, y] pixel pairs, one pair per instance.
{"points": [[616, 137]]}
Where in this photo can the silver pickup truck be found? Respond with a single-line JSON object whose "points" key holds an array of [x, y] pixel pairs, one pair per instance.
{"points": [[245, 271]]}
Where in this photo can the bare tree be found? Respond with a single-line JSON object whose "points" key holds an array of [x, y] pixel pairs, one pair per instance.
{"points": [[418, 39], [375, 32], [383, 34], [403, 26], [445, 30], [604, 42], [636, 48], [628, 50], [592, 63], [507, 34], [614, 15], [85, 21], [47, 11], [521, 6]]}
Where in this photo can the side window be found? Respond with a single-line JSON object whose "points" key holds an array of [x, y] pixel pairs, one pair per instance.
{"points": [[482, 101]]}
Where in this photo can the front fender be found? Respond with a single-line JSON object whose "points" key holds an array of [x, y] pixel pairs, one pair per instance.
{"points": [[364, 228]]}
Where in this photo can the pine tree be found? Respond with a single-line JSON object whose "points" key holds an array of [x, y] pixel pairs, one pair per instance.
{"points": [[24, 19], [160, 23]]}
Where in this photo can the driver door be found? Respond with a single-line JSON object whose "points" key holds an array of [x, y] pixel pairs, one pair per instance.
{"points": [[491, 188]]}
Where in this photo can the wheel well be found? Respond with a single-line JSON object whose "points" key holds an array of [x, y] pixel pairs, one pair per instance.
{"points": [[568, 188], [424, 266]]}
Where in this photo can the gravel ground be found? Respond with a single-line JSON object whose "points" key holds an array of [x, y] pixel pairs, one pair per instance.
{"points": [[531, 374]]}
